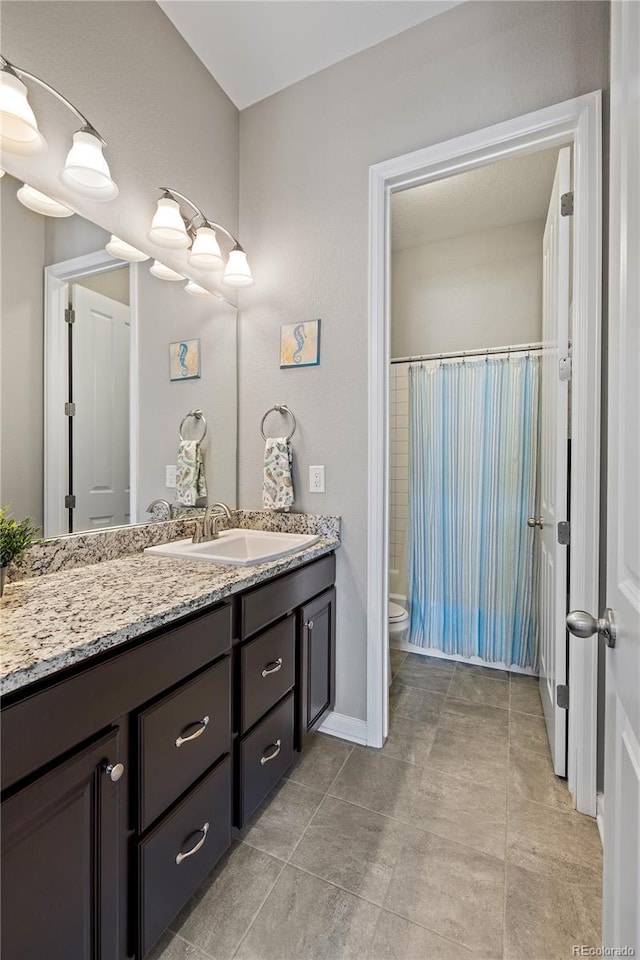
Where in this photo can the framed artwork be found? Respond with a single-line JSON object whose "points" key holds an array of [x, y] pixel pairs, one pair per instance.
{"points": [[300, 344], [184, 360]]}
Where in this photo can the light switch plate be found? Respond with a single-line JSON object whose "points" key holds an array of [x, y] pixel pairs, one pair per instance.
{"points": [[170, 475], [316, 479]]}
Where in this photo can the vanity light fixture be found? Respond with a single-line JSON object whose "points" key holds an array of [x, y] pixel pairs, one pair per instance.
{"points": [[86, 171], [40, 203], [196, 290], [164, 273], [124, 251], [170, 227]]}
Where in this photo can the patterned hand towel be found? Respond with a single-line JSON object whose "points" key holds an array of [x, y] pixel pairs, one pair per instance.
{"points": [[190, 479], [277, 490]]}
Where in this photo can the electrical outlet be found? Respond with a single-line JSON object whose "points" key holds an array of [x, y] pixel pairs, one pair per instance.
{"points": [[170, 476], [316, 479]]}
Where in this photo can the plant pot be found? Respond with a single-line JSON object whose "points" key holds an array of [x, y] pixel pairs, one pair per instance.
{"points": [[3, 577]]}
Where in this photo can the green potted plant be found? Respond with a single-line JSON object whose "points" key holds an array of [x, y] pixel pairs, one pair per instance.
{"points": [[15, 539]]}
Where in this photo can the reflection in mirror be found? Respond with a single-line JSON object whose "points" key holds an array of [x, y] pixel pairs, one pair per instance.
{"points": [[89, 415]]}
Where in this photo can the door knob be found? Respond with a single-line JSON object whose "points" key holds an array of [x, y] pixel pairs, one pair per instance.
{"points": [[582, 624], [535, 522]]}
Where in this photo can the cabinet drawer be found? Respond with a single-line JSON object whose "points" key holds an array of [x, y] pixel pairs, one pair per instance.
{"points": [[176, 857], [262, 606], [180, 737], [265, 754], [267, 670]]}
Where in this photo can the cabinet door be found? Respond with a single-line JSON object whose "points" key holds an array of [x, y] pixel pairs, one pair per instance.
{"points": [[60, 861], [316, 687]]}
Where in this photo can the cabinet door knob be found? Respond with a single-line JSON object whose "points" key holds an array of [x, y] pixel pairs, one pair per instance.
{"points": [[114, 771], [202, 726], [309, 624], [274, 753], [204, 830], [272, 667]]}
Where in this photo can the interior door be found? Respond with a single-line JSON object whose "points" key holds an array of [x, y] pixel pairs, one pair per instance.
{"points": [[621, 906], [554, 420], [100, 425]]}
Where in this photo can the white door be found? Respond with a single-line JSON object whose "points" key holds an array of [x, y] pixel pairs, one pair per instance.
{"points": [[621, 906], [554, 419], [100, 426]]}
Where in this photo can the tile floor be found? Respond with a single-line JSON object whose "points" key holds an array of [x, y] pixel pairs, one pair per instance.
{"points": [[454, 841]]}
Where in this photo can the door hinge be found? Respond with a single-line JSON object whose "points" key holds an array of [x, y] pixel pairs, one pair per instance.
{"points": [[564, 368], [566, 204], [564, 533], [70, 501], [69, 315], [562, 696], [69, 409]]}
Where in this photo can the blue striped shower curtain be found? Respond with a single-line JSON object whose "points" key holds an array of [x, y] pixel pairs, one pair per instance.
{"points": [[473, 443]]}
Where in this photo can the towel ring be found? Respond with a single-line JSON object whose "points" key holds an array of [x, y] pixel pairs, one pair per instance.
{"points": [[198, 414], [279, 408]]}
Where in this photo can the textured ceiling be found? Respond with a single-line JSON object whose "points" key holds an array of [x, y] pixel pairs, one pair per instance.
{"points": [[497, 195], [254, 48]]}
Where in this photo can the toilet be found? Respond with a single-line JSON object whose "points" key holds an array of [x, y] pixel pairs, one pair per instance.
{"points": [[398, 619]]}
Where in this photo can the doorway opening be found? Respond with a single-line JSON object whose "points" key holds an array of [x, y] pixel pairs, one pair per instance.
{"points": [[575, 123]]}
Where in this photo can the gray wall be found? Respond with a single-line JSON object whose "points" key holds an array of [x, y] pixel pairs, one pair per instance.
{"points": [[304, 159], [164, 117]]}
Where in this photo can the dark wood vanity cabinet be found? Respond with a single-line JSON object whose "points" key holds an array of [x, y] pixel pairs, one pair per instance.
{"points": [[123, 777]]}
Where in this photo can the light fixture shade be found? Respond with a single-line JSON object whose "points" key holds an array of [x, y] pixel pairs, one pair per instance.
{"points": [[205, 253], [196, 290], [19, 132], [86, 171], [41, 203], [124, 251], [167, 227], [237, 272], [164, 273]]}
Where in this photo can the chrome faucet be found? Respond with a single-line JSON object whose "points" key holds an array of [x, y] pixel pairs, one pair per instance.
{"points": [[207, 528], [160, 510]]}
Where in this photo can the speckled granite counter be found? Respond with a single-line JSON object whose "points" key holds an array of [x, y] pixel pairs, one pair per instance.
{"points": [[48, 623]]}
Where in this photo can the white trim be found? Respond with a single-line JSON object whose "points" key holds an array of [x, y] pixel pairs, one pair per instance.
{"points": [[600, 816], [574, 121], [134, 393], [57, 278], [347, 728]]}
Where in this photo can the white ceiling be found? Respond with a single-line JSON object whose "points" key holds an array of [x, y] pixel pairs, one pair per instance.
{"points": [[254, 48], [497, 195]]}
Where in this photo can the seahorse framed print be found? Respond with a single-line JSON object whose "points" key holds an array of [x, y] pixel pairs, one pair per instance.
{"points": [[184, 360], [300, 344]]}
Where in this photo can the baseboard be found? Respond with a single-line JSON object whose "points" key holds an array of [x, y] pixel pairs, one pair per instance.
{"points": [[347, 728]]}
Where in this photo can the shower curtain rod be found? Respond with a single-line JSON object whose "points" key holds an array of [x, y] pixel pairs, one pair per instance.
{"points": [[514, 348]]}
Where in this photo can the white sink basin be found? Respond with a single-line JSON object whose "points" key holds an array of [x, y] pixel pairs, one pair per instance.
{"points": [[238, 548]]}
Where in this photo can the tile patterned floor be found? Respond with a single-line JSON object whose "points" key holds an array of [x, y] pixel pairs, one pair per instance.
{"points": [[454, 841]]}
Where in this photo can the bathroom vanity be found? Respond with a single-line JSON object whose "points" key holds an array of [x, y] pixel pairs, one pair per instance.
{"points": [[125, 772]]}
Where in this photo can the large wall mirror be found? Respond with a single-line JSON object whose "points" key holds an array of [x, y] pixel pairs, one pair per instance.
{"points": [[90, 417]]}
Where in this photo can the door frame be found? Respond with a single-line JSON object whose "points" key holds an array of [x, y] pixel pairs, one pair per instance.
{"points": [[57, 278], [576, 122]]}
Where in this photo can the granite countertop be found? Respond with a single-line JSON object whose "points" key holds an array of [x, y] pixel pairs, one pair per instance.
{"points": [[48, 623]]}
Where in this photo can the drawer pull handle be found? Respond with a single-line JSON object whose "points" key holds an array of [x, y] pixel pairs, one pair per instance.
{"points": [[274, 753], [309, 624], [204, 830], [202, 726], [272, 667]]}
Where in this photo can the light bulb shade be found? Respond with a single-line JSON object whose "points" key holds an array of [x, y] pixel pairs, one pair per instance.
{"points": [[167, 227], [196, 290], [237, 272], [19, 132], [164, 273], [205, 252], [41, 203], [124, 251], [86, 171]]}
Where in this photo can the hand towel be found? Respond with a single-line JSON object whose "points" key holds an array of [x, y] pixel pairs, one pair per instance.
{"points": [[190, 479], [277, 489]]}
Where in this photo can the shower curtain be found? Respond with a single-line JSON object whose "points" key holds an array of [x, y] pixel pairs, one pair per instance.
{"points": [[473, 442]]}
